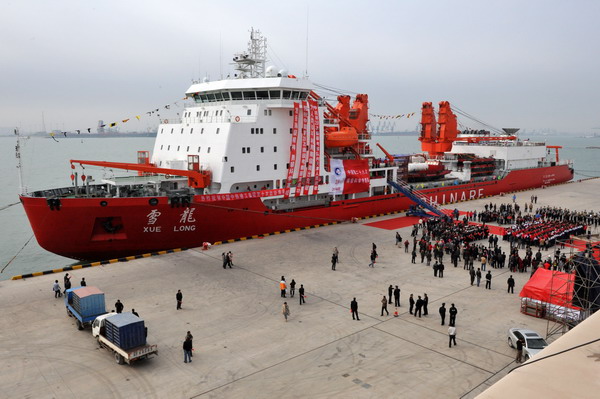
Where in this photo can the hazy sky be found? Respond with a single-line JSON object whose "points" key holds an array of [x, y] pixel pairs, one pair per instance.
{"points": [[529, 64]]}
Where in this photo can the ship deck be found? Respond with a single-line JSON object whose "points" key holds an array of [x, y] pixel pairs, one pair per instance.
{"points": [[243, 347]]}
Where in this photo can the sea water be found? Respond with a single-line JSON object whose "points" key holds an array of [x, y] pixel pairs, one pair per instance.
{"points": [[46, 165]]}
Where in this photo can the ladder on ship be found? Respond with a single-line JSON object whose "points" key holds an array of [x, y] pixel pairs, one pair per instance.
{"points": [[416, 196]]}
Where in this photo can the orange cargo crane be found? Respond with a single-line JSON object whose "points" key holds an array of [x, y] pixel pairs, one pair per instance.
{"points": [[196, 178]]}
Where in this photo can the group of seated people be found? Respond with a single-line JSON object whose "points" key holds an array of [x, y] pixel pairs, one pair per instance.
{"points": [[543, 234]]}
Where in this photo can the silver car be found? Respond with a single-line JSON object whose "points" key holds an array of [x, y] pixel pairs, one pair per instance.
{"points": [[533, 342]]}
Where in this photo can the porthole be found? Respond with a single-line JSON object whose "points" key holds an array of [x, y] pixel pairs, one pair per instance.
{"points": [[153, 201], [103, 203]]}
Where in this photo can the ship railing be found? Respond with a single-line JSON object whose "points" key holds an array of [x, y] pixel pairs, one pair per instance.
{"points": [[212, 119], [416, 193]]}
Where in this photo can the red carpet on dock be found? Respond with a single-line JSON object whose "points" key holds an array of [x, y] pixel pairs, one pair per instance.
{"points": [[395, 223]]}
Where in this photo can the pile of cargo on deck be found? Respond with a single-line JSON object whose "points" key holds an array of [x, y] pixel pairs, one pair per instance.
{"points": [[125, 330], [87, 301]]}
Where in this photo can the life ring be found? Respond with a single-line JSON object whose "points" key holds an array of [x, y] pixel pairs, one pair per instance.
{"points": [[237, 118]]}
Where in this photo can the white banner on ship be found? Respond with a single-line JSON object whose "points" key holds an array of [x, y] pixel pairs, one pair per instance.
{"points": [[337, 178]]}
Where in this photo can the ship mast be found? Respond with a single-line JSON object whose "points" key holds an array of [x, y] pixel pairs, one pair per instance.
{"points": [[251, 63], [22, 189]]}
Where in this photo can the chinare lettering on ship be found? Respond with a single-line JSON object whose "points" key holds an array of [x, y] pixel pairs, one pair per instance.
{"points": [[263, 152]]}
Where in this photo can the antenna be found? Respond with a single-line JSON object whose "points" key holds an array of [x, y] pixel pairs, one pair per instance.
{"points": [[306, 55], [220, 57]]}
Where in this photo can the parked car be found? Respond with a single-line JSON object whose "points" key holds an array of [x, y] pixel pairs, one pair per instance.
{"points": [[533, 342]]}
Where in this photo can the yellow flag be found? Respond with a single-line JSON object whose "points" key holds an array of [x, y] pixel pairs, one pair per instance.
{"points": [[113, 124], [124, 120], [137, 117]]}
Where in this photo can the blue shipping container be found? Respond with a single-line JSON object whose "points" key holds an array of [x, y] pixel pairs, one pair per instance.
{"points": [[125, 330], [87, 301]]}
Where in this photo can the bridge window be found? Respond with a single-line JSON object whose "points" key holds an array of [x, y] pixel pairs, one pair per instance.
{"points": [[249, 95], [303, 95], [275, 94], [262, 95], [236, 95], [295, 95], [287, 94]]}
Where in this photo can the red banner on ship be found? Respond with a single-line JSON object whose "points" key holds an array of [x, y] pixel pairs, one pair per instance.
{"points": [[240, 196], [292, 164], [314, 116], [349, 176]]}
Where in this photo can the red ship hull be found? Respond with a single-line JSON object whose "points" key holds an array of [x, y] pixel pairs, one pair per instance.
{"points": [[75, 230]]}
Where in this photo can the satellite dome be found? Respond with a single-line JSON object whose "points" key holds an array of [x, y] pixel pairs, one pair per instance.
{"points": [[270, 72], [283, 72]]}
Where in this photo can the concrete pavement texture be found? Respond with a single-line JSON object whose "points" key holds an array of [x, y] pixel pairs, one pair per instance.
{"points": [[243, 346]]}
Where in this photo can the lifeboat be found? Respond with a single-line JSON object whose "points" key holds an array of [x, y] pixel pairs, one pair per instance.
{"points": [[345, 137]]}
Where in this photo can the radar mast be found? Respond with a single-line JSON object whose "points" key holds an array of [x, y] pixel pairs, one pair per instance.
{"points": [[251, 63]]}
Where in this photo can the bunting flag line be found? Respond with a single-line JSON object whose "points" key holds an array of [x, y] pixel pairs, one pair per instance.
{"points": [[399, 116], [138, 117]]}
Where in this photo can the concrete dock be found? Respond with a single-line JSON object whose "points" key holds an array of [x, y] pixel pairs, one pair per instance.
{"points": [[243, 346]]}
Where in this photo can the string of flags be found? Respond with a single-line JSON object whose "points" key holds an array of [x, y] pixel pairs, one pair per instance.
{"points": [[123, 121], [407, 116]]}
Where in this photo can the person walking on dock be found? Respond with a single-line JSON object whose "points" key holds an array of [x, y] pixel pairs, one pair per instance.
{"points": [[390, 292], [373, 257], [443, 312], [451, 336], [333, 261], [301, 294], [179, 298], [354, 309], [285, 310], [397, 297], [282, 287], [398, 239], [453, 312], [292, 288], [83, 283], [478, 274], [56, 289], [384, 303], [406, 245], [337, 255], [472, 275], [488, 280], [224, 256], [119, 306], [511, 285]]}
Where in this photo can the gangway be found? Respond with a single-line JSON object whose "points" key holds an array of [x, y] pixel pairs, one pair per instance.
{"points": [[416, 196]]}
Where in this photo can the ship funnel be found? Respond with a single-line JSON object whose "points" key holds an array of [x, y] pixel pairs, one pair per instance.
{"points": [[511, 130]]}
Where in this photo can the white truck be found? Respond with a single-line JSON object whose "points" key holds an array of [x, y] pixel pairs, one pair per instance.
{"points": [[130, 355]]}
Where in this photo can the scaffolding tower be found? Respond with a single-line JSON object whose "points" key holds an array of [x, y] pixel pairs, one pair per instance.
{"points": [[582, 282]]}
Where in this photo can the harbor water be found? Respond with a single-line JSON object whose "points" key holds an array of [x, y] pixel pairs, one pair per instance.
{"points": [[46, 165]]}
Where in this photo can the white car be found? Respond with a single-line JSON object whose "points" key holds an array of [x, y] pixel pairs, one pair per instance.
{"points": [[533, 342]]}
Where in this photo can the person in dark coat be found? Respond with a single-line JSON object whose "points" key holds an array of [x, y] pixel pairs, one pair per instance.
{"points": [[83, 283], [179, 298], [67, 280], [453, 312], [418, 306], [397, 297], [390, 292], [411, 301], [293, 288], [443, 312], [354, 309], [119, 306], [441, 270], [134, 312], [425, 303], [511, 284], [472, 275], [488, 280], [187, 350], [333, 261], [301, 294]]}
